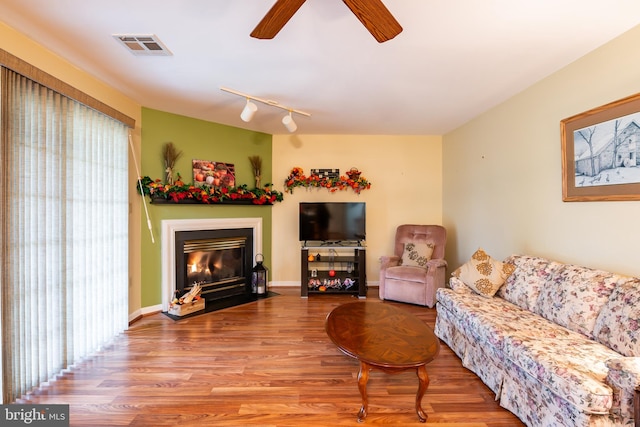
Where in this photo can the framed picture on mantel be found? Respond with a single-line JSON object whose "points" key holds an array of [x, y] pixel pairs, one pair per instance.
{"points": [[207, 173], [601, 153]]}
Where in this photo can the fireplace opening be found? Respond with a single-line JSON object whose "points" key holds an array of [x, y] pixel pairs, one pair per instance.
{"points": [[220, 261]]}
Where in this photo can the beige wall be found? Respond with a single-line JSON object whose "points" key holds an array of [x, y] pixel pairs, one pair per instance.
{"points": [[502, 172], [406, 177], [25, 49]]}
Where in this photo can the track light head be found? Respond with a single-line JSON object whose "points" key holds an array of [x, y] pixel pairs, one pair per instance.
{"points": [[249, 111], [288, 122]]}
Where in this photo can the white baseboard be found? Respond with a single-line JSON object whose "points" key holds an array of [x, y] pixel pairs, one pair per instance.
{"points": [[143, 311], [288, 284], [296, 284]]}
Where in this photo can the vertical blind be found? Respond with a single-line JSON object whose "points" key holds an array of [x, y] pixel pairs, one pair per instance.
{"points": [[64, 219]]}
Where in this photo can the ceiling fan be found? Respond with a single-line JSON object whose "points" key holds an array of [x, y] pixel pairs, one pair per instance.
{"points": [[372, 13]]}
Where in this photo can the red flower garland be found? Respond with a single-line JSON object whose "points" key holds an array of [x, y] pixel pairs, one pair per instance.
{"points": [[354, 181], [208, 195]]}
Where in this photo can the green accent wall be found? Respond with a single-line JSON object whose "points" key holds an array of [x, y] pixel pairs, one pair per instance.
{"points": [[197, 139]]}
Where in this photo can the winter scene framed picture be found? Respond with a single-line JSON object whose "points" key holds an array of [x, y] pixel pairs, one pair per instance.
{"points": [[601, 153]]}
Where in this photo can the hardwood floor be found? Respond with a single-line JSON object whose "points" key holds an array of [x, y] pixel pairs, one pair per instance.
{"points": [[267, 363]]}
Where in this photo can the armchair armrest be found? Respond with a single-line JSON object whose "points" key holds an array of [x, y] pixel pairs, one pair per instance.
{"points": [[436, 263], [389, 261], [386, 262]]}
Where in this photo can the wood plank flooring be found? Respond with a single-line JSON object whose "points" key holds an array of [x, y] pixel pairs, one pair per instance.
{"points": [[267, 363]]}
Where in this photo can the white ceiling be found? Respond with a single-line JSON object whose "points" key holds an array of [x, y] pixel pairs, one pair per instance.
{"points": [[454, 60]]}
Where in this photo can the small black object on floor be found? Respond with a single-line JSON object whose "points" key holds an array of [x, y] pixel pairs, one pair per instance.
{"points": [[223, 303]]}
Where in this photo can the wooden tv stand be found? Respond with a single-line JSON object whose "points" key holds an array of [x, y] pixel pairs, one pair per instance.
{"points": [[339, 269]]}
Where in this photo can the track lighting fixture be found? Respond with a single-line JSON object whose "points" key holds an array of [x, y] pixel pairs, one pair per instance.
{"points": [[250, 109], [288, 122]]}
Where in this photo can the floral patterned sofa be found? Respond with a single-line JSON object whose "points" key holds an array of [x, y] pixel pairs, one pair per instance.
{"points": [[558, 344]]}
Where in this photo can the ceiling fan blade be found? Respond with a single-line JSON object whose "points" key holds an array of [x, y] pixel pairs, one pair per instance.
{"points": [[276, 18], [376, 18]]}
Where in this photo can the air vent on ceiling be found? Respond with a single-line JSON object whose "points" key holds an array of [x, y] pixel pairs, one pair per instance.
{"points": [[143, 45]]}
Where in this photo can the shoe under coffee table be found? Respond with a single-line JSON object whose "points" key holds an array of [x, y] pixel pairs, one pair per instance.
{"points": [[384, 337]]}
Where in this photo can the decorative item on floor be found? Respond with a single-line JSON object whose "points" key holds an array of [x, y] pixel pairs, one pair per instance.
{"points": [[170, 155], [187, 303], [189, 193], [259, 277], [297, 178], [256, 165]]}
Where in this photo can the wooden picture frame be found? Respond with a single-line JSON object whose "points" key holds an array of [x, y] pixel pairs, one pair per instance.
{"points": [[601, 153], [207, 173]]}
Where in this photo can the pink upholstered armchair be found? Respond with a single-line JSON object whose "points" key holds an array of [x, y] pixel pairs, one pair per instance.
{"points": [[417, 267]]}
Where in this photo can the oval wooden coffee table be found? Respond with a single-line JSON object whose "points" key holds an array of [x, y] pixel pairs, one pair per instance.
{"points": [[381, 336]]}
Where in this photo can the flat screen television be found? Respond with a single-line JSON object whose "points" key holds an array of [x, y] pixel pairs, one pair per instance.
{"points": [[332, 221]]}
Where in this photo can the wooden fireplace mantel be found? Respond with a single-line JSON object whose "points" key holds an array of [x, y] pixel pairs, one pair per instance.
{"points": [[245, 202]]}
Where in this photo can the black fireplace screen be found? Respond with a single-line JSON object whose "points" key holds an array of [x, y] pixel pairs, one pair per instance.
{"points": [[220, 261], [214, 260]]}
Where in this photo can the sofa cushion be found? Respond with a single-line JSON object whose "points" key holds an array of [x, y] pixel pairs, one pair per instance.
{"points": [[417, 254], [529, 277], [574, 296], [569, 364], [407, 274], [483, 274], [474, 312], [618, 323]]}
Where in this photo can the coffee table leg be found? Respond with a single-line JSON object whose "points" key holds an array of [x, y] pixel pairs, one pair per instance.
{"points": [[423, 381], [363, 377]]}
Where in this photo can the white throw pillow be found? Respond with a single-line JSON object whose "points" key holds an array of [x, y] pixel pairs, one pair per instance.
{"points": [[417, 254], [484, 274]]}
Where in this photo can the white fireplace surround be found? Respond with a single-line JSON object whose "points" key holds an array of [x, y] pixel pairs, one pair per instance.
{"points": [[169, 227]]}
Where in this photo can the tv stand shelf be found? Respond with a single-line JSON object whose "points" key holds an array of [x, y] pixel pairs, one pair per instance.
{"points": [[339, 269]]}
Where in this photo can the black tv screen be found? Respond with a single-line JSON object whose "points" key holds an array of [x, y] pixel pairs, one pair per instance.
{"points": [[332, 221]]}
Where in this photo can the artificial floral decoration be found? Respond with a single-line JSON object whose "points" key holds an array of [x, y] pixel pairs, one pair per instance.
{"points": [[256, 165], [355, 181], [354, 174], [170, 155], [157, 190]]}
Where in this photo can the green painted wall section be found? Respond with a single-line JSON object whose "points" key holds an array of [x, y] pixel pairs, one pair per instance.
{"points": [[197, 139]]}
